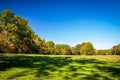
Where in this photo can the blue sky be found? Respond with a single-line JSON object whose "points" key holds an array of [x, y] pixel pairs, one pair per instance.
{"points": [[71, 21]]}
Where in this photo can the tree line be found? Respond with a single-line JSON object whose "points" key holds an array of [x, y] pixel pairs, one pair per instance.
{"points": [[16, 36]]}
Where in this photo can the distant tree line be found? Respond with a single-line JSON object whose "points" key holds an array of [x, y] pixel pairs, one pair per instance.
{"points": [[16, 36]]}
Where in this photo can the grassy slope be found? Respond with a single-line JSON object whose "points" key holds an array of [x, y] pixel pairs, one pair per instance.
{"points": [[58, 67]]}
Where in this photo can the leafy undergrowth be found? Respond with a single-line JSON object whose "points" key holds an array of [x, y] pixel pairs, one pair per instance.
{"points": [[57, 67]]}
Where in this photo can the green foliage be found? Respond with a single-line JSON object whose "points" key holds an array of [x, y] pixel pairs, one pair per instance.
{"points": [[50, 47], [77, 49], [87, 48], [116, 50], [62, 49], [6, 17], [16, 35], [103, 52]]}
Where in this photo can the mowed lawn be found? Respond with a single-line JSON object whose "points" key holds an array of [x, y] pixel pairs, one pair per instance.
{"points": [[59, 67]]}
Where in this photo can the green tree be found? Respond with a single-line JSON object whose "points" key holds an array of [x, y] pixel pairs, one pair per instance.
{"points": [[50, 47], [6, 17], [72, 51], [65, 49], [57, 49], [62, 49], [77, 49], [87, 48], [43, 47], [102, 52], [116, 50], [15, 34]]}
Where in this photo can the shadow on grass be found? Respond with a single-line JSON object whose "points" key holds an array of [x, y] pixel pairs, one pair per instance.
{"points": [[23, 73], [46, 64]]}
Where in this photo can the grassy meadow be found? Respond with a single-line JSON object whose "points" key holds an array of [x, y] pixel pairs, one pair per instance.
{"points": [[59, 67]]}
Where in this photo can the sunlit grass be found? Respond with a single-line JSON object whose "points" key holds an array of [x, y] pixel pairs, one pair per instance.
{"points": [[59, 67]]}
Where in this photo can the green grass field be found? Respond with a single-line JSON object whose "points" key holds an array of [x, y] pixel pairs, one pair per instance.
{"points": [[58, 67]]}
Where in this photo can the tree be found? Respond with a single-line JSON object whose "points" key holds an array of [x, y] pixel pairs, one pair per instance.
{"points": [[15, 34], [87, 48], [50, 47], [72, 51], [25, 35], [102, 52], [43, 47], [77, 49], [116, 50], [62, 49], [6, 17], [57, 49], [65, 49]]}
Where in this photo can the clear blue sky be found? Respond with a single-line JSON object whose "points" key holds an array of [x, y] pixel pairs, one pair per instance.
{"points": [[71, 21]]}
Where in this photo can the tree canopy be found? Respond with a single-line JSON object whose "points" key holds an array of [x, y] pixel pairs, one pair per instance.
{"points": [[116, 50], [16, 36]]}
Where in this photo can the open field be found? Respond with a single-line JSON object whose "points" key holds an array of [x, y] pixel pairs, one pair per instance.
{"points": [[59, 67]]}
